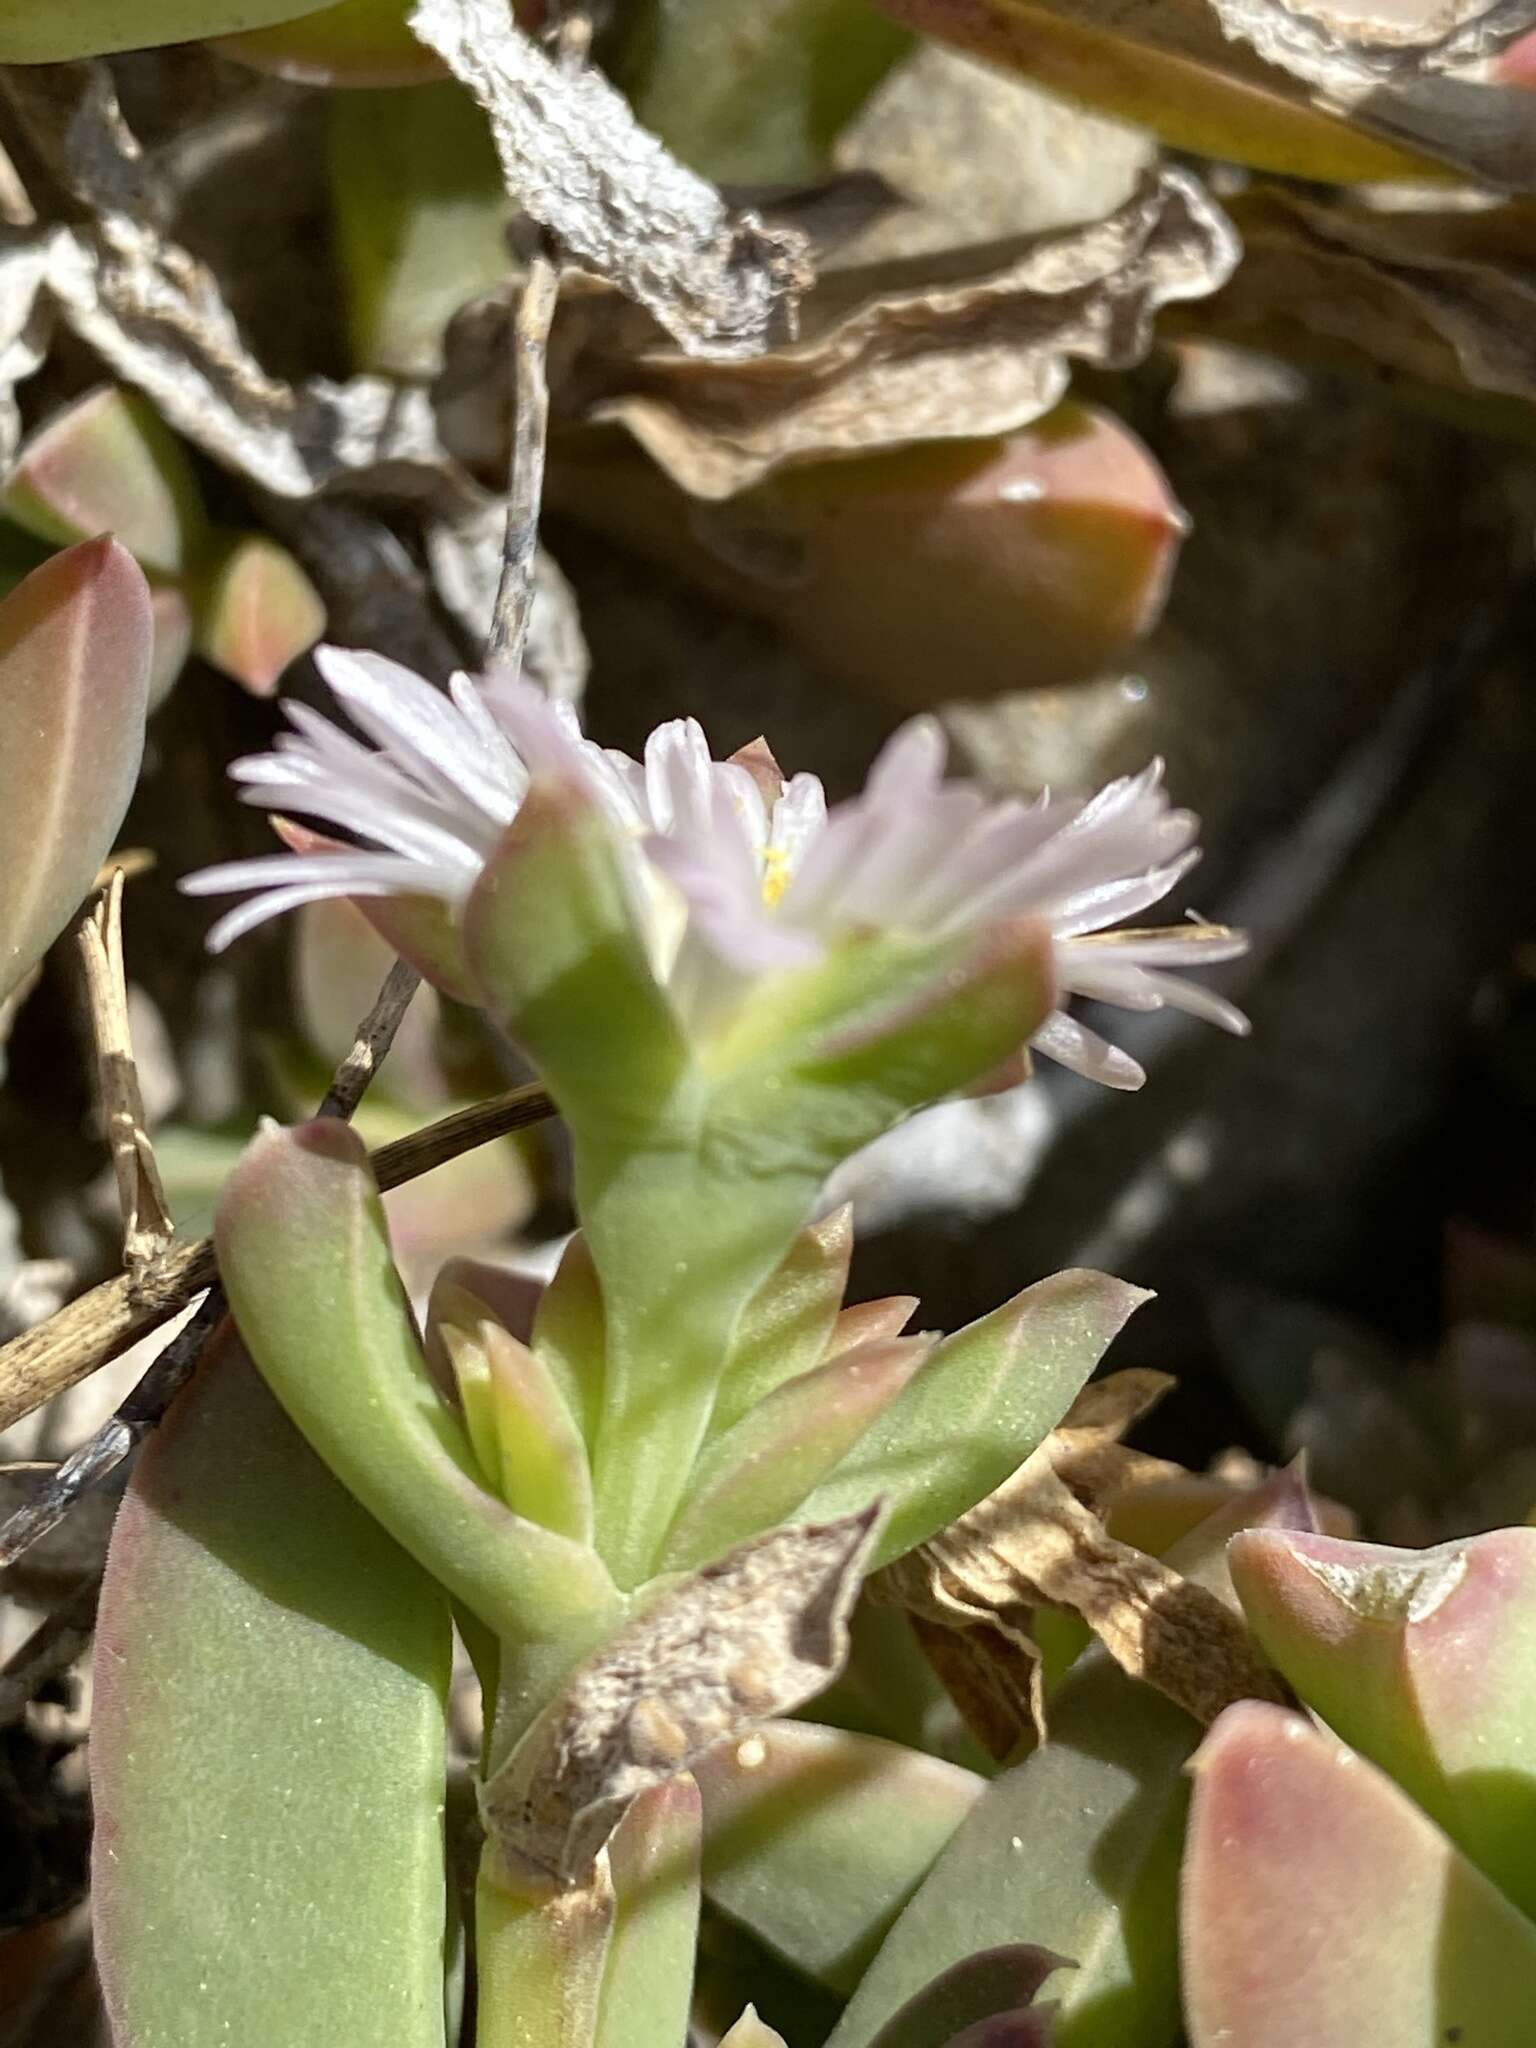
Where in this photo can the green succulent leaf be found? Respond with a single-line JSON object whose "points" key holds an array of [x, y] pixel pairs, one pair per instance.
{"points": [[553, 937], [361, 43], [654, 1860], [539, 1961], [56, 30], [268, 1746], [568, 1333], [760, 1471], [815, 1838], [1422, 1660], [523, 1433], [754, 91], [257, 611], [1078, 1845], [978, 1406], [421, 217], [787, 1326], [826, 1059], [109, 464], [75, 645], [1321, 1906], [305, 1258]]}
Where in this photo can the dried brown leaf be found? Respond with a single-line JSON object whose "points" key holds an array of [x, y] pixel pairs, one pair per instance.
{"points": [[155, 316], [577, 161], [147, 1223], [1034, 1543], [1385, 76], [957, 343], [1444, 298], [25, 322], [755, 1634], [1336, 46]]}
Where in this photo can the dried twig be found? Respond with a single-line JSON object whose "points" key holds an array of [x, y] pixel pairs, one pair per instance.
{"points": [[93, 1329], [530, 390], [374, 1037], [578, 162], [94, 1461], [147, 1225], [51, 1648], [59, 1639], [525, 480]]}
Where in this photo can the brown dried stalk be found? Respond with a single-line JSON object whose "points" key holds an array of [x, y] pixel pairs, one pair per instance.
{"points": [[93, 1329], [147, 1225]]}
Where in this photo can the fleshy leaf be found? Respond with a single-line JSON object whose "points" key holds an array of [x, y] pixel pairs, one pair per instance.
{"points": [[654, 1865], [568, 1333], [76, 638], [172, 617], [552, 936], [1078, 1844], [257, 611], [522, 1431], [763, 1468], [421, 217], [268, 1746], [62, 29], [305, 1258], [788, 1324], [1422, 1660], [1321, 1906], [994, 1985], [1045, 553], [109, 464], [815, 1838], [349, 43], [979, 1405], [831, 1056], [755, 91]]}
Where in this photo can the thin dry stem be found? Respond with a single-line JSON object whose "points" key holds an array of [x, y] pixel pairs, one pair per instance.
{"points": [[93, 1329], [147, 1225], [530, 431]]}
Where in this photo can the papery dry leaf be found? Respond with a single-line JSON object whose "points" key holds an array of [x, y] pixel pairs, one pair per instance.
{"points": [[148, 1226], [1444, 298], [155, 315], [755, 1634], [1385, 79], [1335, 45], [577, 161], [961, 343], [25, 322], [1034, 1543]]}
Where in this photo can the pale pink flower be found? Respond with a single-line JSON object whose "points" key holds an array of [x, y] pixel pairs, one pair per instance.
{"points": [[737, 872]]}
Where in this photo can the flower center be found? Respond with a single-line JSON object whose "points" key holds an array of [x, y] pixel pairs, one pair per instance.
{"points": [[776, 875]]}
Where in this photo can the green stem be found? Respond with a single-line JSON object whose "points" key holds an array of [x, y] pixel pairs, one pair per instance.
{"points": [[539, 1962], [681, 1240]]}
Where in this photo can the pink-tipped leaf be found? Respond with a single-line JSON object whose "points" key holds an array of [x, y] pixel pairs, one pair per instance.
{"points": [[76, 640]]}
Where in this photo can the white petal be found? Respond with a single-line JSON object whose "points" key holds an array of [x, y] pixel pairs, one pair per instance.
{"points": [[1063, 1039], [908, 767]]}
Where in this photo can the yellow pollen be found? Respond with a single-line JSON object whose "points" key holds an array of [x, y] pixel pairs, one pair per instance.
{"points": [[775, 875]]}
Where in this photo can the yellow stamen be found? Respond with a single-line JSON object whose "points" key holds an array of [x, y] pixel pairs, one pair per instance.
{"points": [[775, 875]]}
